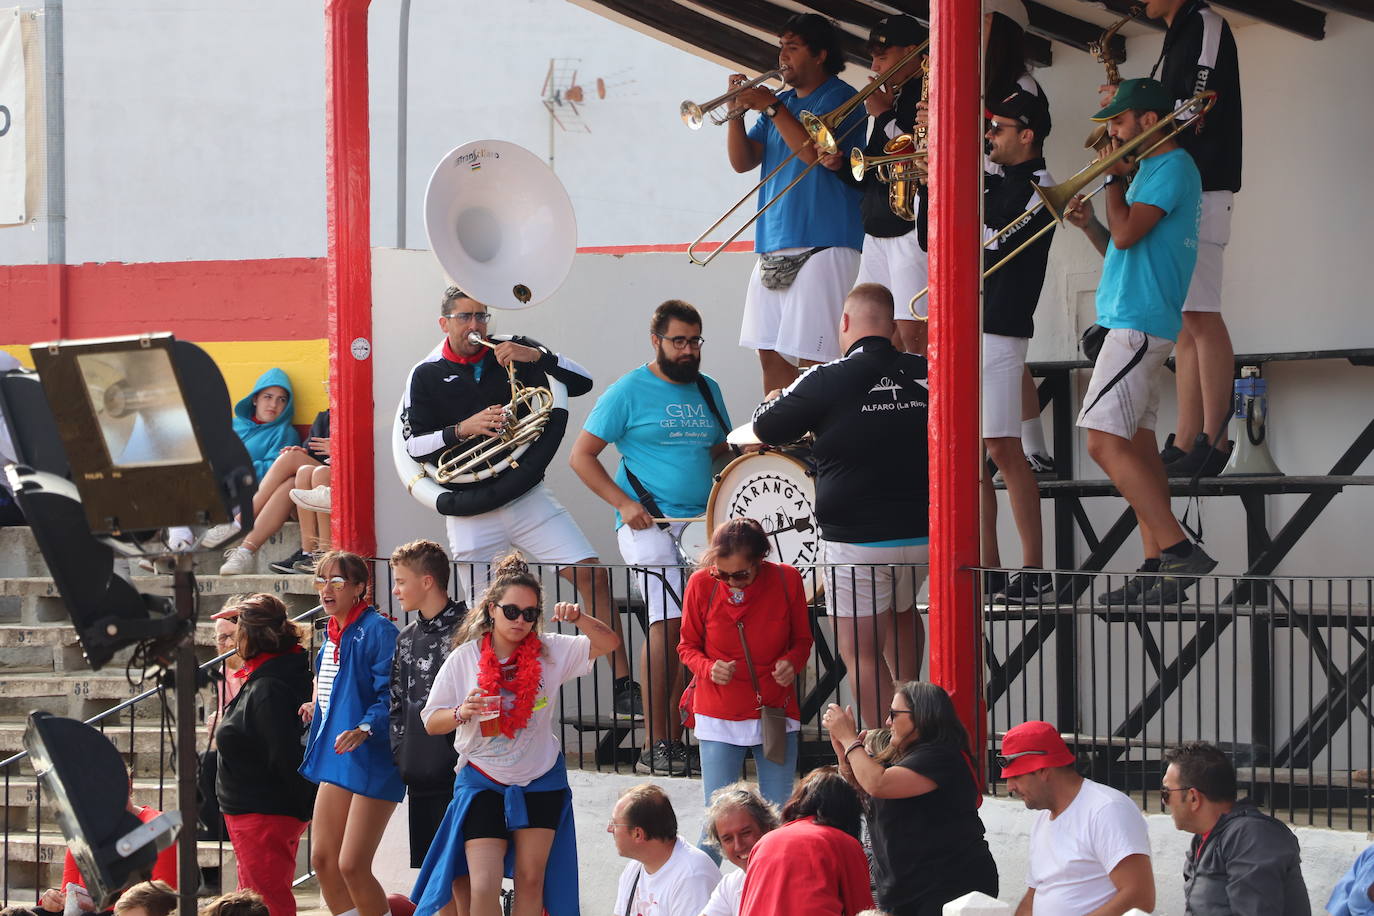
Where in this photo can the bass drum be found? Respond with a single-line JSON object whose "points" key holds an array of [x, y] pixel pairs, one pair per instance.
{"points": [[778, 490]]}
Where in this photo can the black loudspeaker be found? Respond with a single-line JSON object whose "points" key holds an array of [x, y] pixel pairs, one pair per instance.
{"points": [[83, 775]]}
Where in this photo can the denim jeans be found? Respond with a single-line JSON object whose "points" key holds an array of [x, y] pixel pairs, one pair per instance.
{"points": [[722, 764]]}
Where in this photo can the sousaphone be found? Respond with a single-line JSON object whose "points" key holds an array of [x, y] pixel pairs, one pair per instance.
{"points": [[502, 226]]}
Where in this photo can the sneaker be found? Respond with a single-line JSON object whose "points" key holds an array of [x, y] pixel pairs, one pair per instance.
{"points": [[237, 561], [994, 583], [628, 703], [219, 534], [1030, 586], [1041, 465], [658, 761], [1167, 592], [306, 564], [1170, 453], [1202, 461], [1176, 575], [1130, 592], [317, 499], [288, 566], [688, 759]]}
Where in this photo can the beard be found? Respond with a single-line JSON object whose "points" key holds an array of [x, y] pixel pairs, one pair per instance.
{"points": [[682, 370]]}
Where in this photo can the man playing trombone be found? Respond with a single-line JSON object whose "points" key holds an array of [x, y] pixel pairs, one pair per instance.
{"points": [[809, 241], [893, 252], [1150, 246]]}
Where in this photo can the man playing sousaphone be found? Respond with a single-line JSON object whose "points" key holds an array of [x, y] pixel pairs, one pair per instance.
{"points": [[894, 253], [809, 242], [457, 395]]}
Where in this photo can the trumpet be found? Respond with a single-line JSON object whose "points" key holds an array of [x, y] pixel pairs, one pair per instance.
{"points": [[526, 415], [694, 115], [902, 168], [1058, 199], [821, 129]]}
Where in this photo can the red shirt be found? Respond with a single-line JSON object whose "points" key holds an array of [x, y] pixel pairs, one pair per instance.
{"points": [[164, 869], [776, 623], [833, 881]]}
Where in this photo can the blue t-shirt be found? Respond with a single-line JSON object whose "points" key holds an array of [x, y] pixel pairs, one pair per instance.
{"points": [[821, 211], [1143, 287], [1351, 894], [665, 432]]}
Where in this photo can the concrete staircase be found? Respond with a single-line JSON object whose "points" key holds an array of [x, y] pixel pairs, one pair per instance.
{"points": [[42, 667]]}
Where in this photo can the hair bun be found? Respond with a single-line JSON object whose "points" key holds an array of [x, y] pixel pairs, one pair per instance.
{"points": [[512, 564]]}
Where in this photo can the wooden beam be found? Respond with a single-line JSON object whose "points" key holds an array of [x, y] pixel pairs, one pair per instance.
{"points": [[1361, 9], [1048, 22], [1285, 14], [704, 32], [1037, 46], [1120, 7], [769, 17]]}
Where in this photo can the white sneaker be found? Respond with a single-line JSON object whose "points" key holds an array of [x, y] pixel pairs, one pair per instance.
{"points": [[219, 534], [318, 499], [180, 539], [237, 561]]}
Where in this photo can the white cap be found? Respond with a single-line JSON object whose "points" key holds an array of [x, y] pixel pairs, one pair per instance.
{"points": [[1014, 10]]}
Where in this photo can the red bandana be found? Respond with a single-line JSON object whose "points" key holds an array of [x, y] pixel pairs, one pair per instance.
{"points": [[336, 632], [253, 664], [520, 675], [453, 357]]}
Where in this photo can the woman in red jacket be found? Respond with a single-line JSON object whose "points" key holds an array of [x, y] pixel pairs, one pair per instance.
{"points": [[737, 606]]}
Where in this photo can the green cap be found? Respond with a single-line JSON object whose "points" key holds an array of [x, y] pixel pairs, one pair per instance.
{"points": [[1137, 95]]}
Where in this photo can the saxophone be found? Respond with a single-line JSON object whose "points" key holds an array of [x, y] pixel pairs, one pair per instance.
{"points": [[904, 176], [1102, 50]]}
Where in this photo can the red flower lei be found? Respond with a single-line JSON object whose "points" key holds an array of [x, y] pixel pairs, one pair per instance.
{"points": [[524, 683]]}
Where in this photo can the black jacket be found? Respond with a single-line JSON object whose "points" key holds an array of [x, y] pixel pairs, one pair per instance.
{"points": [[1200, 53], [260, 741], [879, 220], [318, 430], [1011, 294], [426, 761], [1249, 866], [868, 412]]}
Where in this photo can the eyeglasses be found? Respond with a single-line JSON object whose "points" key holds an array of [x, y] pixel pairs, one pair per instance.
{"points": [[1004, 760], [611, 825], [995, 127], [682, 343], [332, 582], [465, 317], [1165, 792], [224, 639], [514, 612], [739, 575], [894, 713]]}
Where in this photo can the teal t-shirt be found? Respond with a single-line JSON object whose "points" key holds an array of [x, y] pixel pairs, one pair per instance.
{"points": [[822, 210], [665, 432], [1144, 286]]}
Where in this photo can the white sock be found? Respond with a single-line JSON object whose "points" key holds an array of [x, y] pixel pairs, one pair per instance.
{"points": [[1033, 437]]}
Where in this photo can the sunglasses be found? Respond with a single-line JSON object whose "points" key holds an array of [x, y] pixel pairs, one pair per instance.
{"points": [[739, 575], [894, 713], [332, 582], [514, 612], [1004, 760], [1165, 792]]}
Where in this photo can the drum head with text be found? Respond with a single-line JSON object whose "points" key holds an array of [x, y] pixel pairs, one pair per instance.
{"points": [[775, 489]]}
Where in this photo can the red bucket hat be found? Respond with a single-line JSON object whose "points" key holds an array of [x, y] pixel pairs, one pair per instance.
{"points": [[1032, 746]]}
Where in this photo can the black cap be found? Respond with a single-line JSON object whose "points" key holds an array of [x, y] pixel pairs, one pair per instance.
{"points": [[1028, 108], [901, 31]]}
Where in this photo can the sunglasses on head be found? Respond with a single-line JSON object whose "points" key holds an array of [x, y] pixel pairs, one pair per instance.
{"points": [[515, 612], [1004, 760]]}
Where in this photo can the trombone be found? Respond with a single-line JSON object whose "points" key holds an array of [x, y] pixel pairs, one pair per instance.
{"points": [[821, 130], [1057, 198], [694, 115]]}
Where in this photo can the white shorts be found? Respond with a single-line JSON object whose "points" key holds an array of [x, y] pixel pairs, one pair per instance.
{"points": [[802, 321], [1123, 395], [1004, 364], [1214, 231], [536, 523], [877, 580], [659, 570], [900, 265]]}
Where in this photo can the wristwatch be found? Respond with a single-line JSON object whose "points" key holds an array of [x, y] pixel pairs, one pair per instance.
{"points": [[365, 728], [771, 110]]}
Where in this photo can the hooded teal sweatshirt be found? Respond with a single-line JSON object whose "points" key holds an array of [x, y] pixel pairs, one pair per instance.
{"points": [[266, 440]]}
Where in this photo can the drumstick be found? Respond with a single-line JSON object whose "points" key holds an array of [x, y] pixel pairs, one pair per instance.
{"points": [[669, 518]]}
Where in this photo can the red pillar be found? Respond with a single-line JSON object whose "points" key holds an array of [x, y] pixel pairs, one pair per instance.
{"points": [[956, 642], [348, 205]]}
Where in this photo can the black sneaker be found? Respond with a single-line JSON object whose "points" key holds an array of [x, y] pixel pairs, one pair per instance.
{"points": [[994, 583], [1170, 453], [628, 702], [1130, 592], [658, 761], [1176, 574], [1041, 466], [1030, 586], [1167, 592], [1209, 461], [687, 759], [287, 567]]}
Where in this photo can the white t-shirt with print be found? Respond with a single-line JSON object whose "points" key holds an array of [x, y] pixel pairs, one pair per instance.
{"points": [[1072, 855], [680, 887], [726, 897], [520, 760]]}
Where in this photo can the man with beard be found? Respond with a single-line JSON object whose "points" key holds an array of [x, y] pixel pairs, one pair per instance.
{"points": [[667, 420]]}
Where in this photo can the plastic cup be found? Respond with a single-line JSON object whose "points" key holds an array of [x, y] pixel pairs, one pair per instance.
{"points": [[489, 719]]}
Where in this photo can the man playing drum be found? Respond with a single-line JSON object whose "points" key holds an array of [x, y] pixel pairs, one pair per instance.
{"points": [[667, 420], [868, 413], [458, 395]]}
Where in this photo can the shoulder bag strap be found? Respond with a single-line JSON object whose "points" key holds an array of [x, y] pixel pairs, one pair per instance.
{"points": [[753, 675], [710, 400], [634, 885], [646, 499]]}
